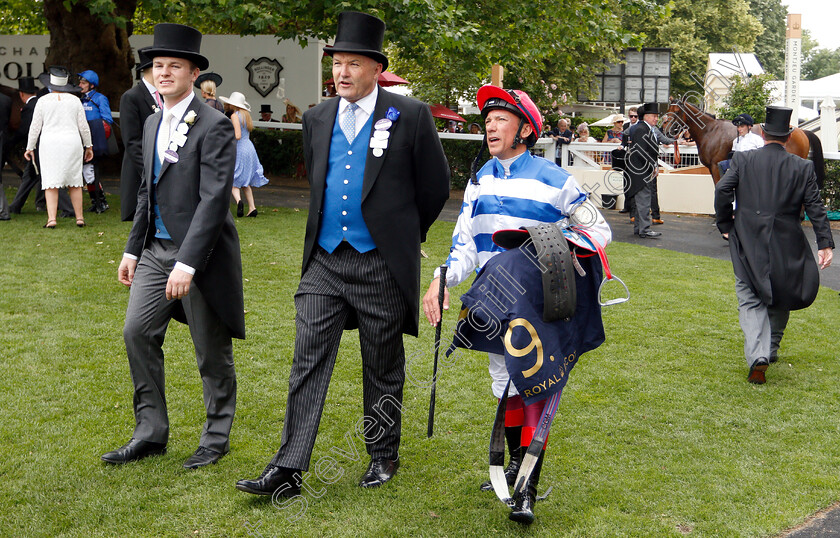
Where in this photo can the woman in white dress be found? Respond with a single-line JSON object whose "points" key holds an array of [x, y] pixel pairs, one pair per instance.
{"points": [[59, 121]]}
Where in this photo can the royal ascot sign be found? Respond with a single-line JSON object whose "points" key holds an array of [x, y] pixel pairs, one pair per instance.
{"points": [[264, 74]]}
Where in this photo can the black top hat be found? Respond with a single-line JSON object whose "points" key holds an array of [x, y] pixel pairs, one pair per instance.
{"points": [[215, 77], [266, 109], [359, 33], [57, 79], [178, 41], [648, 108], [145, 60], [743, 119], [778, 121], [27, 85]]}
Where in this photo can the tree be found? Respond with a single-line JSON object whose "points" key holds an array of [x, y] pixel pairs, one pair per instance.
{"points": [[821, 63], [22, 17], [749, 95], [92, 35], [770, 44], [693, 29]]}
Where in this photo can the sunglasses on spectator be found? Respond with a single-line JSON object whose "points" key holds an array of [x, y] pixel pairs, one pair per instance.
{"points": [[634, 115]]}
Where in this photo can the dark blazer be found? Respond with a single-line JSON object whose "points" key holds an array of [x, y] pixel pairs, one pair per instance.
{"points": [[768, 247], [402, 192], [135, 106], [194, 199], [642, 157], [22, 132], [5, 116]]}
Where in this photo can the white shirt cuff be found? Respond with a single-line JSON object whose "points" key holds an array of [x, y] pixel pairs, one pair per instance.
{"points": [[129, 256], [184, 267]]}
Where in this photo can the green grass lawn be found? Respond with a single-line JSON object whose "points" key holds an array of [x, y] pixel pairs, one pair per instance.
{"points": [[658, 432]]}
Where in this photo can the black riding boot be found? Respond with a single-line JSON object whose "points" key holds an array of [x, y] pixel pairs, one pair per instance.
{"points": [[513, 435], [523, 508], [101, 204], [94, 199]]}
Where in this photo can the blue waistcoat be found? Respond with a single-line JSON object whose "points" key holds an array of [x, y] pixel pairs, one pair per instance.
{"points": [[342, 211]]}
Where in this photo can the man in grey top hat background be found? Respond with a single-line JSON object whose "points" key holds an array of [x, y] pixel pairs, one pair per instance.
{"points": [[378, 179], [774, 268], [182, 258]]}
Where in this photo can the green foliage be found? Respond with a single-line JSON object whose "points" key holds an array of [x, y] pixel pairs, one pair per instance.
{"points": [[770, 44], [693, 29], [747, 96], [280, 152], [22, 17], [831, 187], [821, 63], [461, 154]]}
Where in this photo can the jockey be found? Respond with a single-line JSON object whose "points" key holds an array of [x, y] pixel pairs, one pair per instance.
{"points": [[513, 189], [745, 141]]}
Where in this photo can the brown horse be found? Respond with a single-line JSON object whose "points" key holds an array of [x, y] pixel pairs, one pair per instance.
{"points": [[714, 137]]}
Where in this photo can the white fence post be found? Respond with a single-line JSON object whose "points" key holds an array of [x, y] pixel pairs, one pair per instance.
{"points": [[828, 125]]}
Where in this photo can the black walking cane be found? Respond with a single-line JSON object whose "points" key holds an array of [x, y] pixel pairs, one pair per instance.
{"points": [[431, 428]]}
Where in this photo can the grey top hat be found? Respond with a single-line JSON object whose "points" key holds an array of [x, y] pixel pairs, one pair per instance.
{"points": [[359, 33], [778, 121], [57, 79], [178, 41]]}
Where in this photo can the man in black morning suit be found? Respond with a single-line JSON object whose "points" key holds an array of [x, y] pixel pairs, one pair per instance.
{"points": [[30, 178], [136, 105], [642, 164], [775, 271], [189, 263], [378, 179]]}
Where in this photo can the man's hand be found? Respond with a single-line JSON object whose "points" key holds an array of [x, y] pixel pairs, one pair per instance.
{"points": [[178, 285], [125, 274], [824, 256], [431, 308]]}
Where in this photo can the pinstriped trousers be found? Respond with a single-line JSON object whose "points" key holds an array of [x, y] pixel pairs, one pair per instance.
{"points": [[335, 287], [763, 325]]}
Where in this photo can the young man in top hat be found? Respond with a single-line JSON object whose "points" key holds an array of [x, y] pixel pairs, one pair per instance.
{"points": [[136, 105], [182, 258], [774, 268], [378, 179]]}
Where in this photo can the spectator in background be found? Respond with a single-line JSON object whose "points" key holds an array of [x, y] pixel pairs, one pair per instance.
{"points": [[60, 130], [583, 134], [745, 141], [98, 114], [5, 114], [616, 134], [632, 121], [293, 113], [208, 83], [248, 171], [30, 177], [561, 135], [266, 112], [136, 105], [475, 128]]}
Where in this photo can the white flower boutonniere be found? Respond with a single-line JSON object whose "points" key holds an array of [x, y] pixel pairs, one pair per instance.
{"points": [[179, 137]]}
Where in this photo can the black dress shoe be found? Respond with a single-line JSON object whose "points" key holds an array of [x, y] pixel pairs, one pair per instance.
{"points": [[649, 235], [202, 457], [757, 370], [272, 479], [240, 208], [134, 450], [379, 471]]}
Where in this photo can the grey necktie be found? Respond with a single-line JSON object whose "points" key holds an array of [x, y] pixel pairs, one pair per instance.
{"points": [[348, 122]]}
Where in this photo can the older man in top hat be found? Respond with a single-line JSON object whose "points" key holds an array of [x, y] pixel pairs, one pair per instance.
{"points": [[378, 179], [642, 167], [136, 105], [182, 258], [774, 268]]}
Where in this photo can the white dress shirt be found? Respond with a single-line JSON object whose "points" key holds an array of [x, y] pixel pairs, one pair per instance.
{"points": [[366, 106]]}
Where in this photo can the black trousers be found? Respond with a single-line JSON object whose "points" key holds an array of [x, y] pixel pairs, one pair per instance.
{"points": [[335, 287]]}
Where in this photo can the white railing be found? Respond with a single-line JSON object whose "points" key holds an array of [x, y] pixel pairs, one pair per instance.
{"points": [[597, 155]]}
